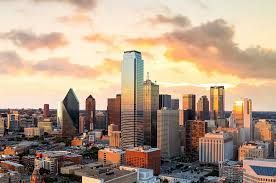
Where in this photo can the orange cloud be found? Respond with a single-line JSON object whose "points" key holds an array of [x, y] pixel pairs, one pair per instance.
{"points": [[32, 41], [99, 38], [76, 18]]}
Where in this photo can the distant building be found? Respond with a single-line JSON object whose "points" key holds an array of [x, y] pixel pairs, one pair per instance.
{"points": [[231, 171], [90, 108], [2, 127], [254, 150], [203, 112], [144, 157], [114, 111], [13, 121], [82, 122], [259, 171], [111, 128], [168, 133], [263, 131], [111, 156], [46, 111], [101, 120], [242, 118], [46, 125], [189, 102], [217, 102], [132, 99], [165, 100], [185, 115], [68, 115], [9, 165], [33, 132], [151, 105], [175, 104], [215, 147]]}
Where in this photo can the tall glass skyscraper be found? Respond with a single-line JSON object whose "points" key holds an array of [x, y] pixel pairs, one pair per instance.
{"points": [[217, 102], [151, 105], [68, 115], [203, 109], [90, 108], [189, 103], [132, 109]]}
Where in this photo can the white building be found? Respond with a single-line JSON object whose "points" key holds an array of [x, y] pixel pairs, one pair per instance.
{"points": [[259, 171], [215, 147], [168, 133]]}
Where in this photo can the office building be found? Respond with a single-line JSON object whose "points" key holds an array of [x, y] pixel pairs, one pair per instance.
{"points": [[114, 111], [242, 118], [263, 130], [194, 130], [215, 147], [82, 122], [33, 132], [175, 104], [231, 171], [259, 171], [46, 111], [13, 121], [168, 133], [111, 128], [254, 150], [144, 157], [90, 108], [185, 115], [68, 114], [101, 120], [151, 105], [111, 156], [165, 101], [189, 102], [46, 125], [203, 112], [217, 102], [132, 99], [2, 127], [115, 139]]}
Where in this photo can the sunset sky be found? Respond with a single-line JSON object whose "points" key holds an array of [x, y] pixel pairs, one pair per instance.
{"points": [[49, 46]]}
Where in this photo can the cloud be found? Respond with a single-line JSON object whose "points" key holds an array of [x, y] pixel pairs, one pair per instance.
{"points": [[178, 20], [15, 65], [99, 38], [75, 19], [80, 4], [32, 41], [211, 48]]}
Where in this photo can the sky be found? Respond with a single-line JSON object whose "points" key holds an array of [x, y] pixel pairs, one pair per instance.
{"points": [[50, 46]]}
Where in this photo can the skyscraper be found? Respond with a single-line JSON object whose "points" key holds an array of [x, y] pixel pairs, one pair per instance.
{"points": [[203, 109], [90, 107], [189, 102], [68, 114], [175, 104], [217, 102], [114, 111], [165, 101], [132, 109], [242, 118], [151, 105], [46, 111]]}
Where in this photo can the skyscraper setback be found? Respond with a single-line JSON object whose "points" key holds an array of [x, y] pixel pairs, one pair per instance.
{"points": [[132, 109], [68, 114], [114, 111], [90, 107], [217, 102], [151, 105]]}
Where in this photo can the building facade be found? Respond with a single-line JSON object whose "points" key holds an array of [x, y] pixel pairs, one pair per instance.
{"points": [[203, 112], [175, 104], [217, 102], [165, 100], [114, 111], [90, 108], [132, 108]]}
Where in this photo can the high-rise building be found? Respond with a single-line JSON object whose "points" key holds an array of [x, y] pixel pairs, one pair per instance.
{"points": [[132, 99], [215, 147], [231, 171], [46, 111], [242, 118], [46, 124], [175, 104], [151, 105], [90, 108], [168, 133], [114, 111], [217, 102], [13, 121], [111, 128], [259, 171], [263, 131], [185, 115], [254, 150], [189, 102], [2, 127], [165, 101], [194, 130], [115, 139], [144, 157], [82, 121], [203, 112], [101, 120], [68, 114]]}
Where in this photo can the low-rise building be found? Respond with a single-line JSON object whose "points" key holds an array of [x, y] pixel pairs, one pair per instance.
{"points": [[111, 156], [231, 171], [254, 150], [9, 165], [33, 132]]}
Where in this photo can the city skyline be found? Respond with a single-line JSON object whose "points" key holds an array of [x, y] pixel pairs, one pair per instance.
{"points": [[42, 61]]}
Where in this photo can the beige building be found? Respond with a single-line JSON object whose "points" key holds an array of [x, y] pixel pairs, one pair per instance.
{"points": [[115, 139], [46, 125], [253, 150], [259, 171], [111, 156], [168, 133], [33, 131], [263, 131]]}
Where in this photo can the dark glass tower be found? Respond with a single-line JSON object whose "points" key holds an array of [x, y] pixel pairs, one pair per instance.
{"points": [[68, 114], [90, 107]]}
